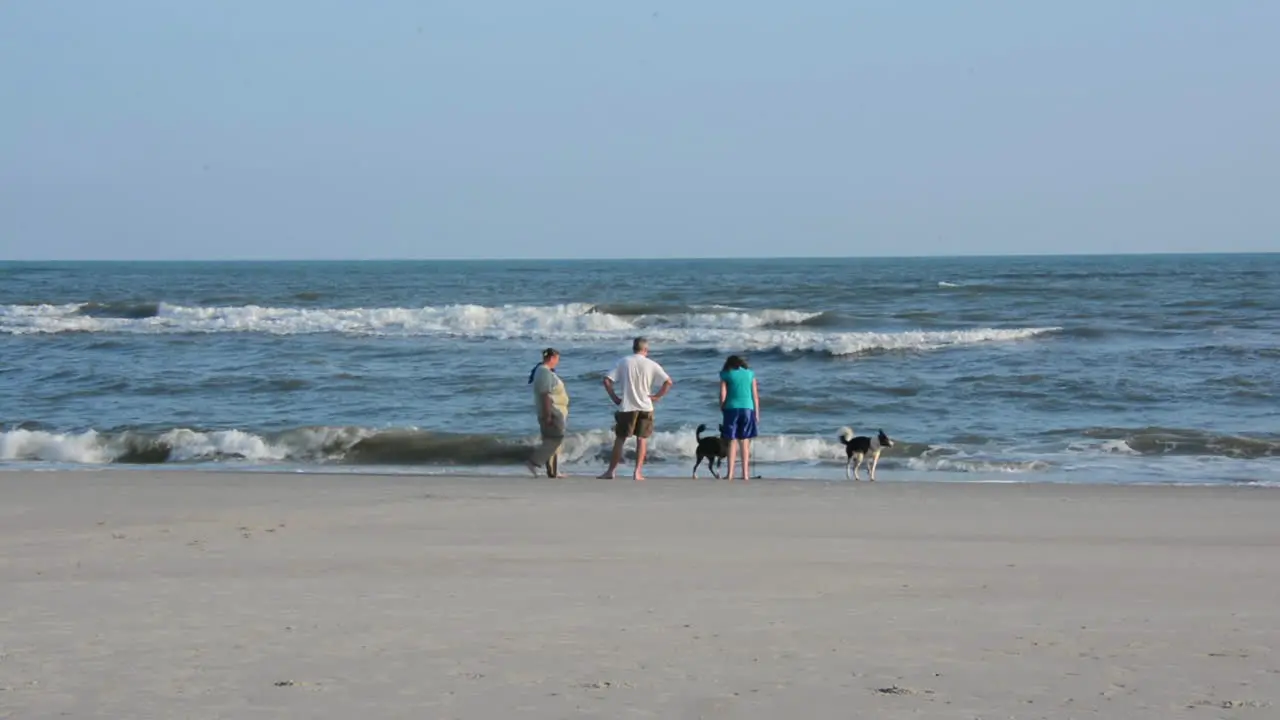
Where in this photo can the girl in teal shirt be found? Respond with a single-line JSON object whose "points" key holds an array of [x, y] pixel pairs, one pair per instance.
{"points": [[740, 406]]}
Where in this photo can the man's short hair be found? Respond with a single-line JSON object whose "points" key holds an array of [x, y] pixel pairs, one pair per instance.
{"points": [[640, 344]]}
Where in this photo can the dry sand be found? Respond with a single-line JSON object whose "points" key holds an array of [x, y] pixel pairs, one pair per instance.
{"points": [[226, 595]]}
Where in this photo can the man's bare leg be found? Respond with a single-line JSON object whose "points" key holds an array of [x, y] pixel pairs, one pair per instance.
{"points": [[642, 445], [733, 458], [618, 442], [746, 459]]}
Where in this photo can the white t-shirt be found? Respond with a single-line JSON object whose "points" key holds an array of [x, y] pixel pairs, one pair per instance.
{"points": [[635, 378]]}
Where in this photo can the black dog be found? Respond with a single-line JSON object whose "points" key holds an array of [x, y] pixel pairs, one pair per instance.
{"points": [[712, 448], [858, 448]]}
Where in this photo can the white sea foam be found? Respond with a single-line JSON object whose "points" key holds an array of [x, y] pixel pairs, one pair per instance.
{"points": [[500, 321], [190, 446], [182, 445], [591, 446], [673, 451], [732, 319], [1105, 447], [1117, 446], [854, 343], [331, 444], [86, 447], [975, 465], [724, 330]]}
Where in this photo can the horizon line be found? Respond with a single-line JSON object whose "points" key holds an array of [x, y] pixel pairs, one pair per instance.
{"points": [[644, 259]]}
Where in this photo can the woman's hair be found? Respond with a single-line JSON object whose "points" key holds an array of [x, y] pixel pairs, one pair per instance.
{"points": [[546, 355], [735, 362]]}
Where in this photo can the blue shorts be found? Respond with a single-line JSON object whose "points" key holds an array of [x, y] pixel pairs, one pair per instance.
{"points": [[739, 424]]}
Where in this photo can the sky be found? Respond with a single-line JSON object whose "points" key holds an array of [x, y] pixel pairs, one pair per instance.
{"points": [[299, 129]]}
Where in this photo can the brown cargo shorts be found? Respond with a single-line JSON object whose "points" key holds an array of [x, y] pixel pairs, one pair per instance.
{"points": [[633, 424]]}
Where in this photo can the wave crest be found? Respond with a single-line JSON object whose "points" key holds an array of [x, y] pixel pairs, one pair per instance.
{"points": [[330, 445], [723, 329], [360, 446], [1178, 441], [515, 320]]}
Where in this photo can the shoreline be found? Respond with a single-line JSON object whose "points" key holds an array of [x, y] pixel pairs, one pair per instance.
{"points": [[888, 476]]}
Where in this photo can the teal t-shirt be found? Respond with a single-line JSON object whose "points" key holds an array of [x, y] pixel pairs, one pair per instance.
{"points": [[738, 389]]}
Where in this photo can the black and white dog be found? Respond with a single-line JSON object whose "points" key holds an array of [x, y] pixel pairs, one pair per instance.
{"points": [[711, 448], [858, 448]]}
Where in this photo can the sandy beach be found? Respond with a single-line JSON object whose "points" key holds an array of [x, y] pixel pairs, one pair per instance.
{"points": [[234, 595]]}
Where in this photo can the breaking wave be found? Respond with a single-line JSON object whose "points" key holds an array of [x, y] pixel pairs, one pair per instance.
{"points": [[860, 343], [125, 310], [715, 327], [336, 445], [1175, 441], [359, 446], [709, 316]]}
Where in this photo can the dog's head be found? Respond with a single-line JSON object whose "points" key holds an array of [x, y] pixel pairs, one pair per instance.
{"points": [[884, 440]]}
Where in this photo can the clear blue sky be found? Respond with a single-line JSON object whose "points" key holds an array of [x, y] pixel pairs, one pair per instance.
{"points": [[137, 129]]}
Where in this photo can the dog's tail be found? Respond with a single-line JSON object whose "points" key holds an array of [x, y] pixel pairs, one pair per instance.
{"points": [[846, 434], [698, 433]]}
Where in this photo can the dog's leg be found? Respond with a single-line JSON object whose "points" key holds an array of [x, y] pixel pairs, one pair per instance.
{"points": [[714, 464], [875, 460], [848, 465], [695, 467], [857, 465]]}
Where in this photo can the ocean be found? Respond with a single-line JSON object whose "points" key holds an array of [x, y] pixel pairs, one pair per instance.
{"points": [[1117, 369]]}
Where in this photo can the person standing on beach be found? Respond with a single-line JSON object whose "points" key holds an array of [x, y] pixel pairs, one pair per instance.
{"points": [[552, 403], [740, 407], [630, 386]]}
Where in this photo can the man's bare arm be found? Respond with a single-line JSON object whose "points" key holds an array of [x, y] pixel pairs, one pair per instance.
{"points": [[608, 387]]}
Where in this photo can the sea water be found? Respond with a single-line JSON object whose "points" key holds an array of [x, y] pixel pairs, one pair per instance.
{"points": [[1145, 369]]}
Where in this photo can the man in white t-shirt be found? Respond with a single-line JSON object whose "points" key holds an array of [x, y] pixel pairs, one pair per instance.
{"points": [[630, 385]]}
